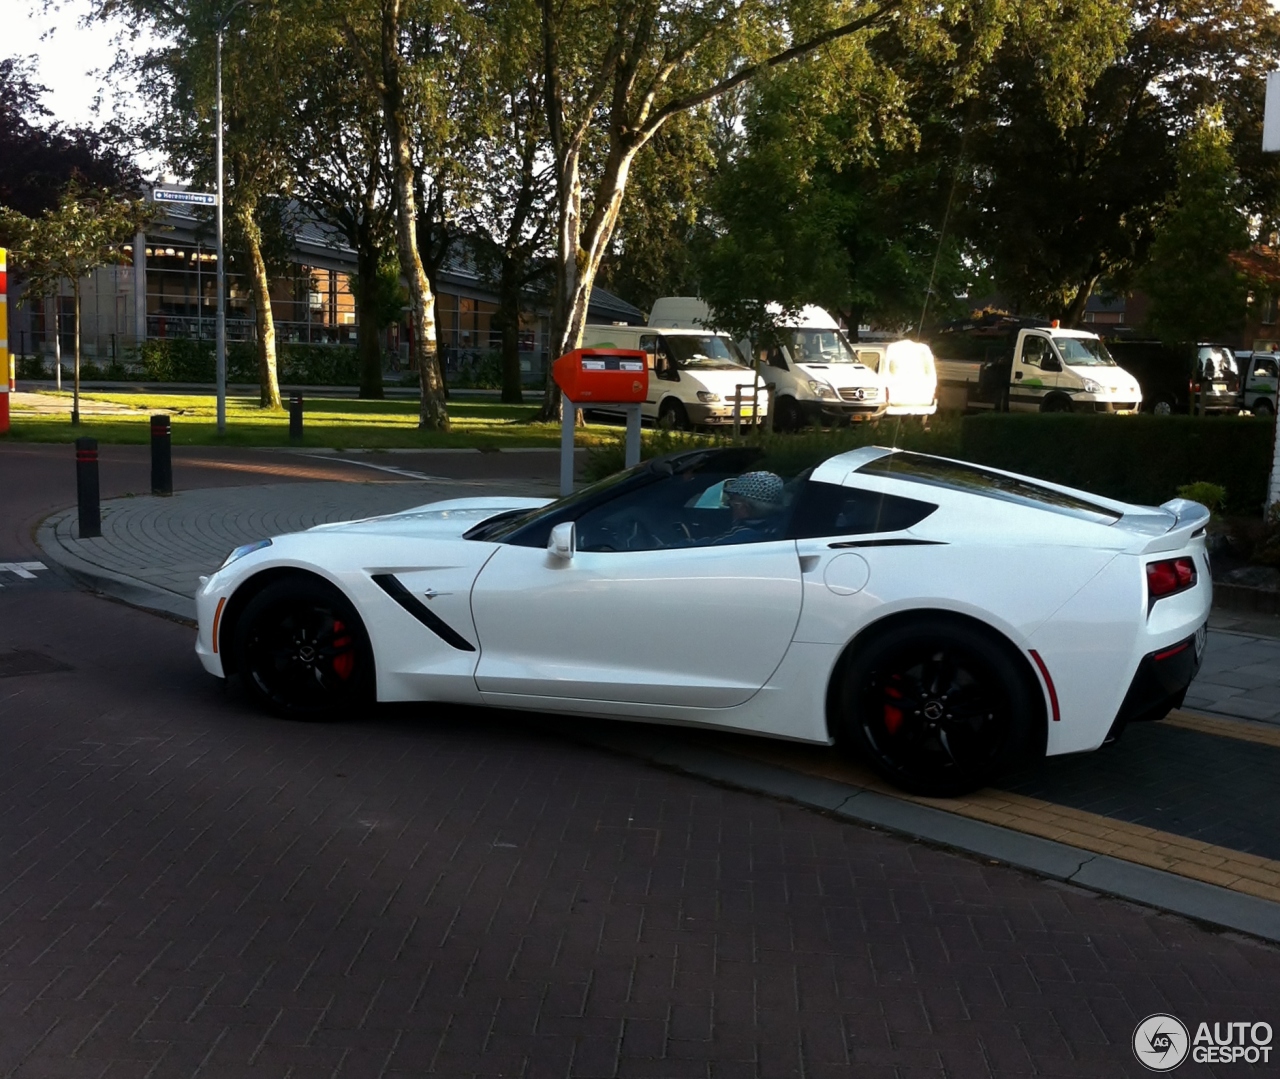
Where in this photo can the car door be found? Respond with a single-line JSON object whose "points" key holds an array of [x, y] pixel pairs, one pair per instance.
{"points": [[1032, 383], [659, 604]]}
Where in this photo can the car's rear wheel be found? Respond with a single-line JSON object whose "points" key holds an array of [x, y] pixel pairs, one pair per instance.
{"points": [[302, 651], [936, 706], [1162, 406], [1262, 407]]}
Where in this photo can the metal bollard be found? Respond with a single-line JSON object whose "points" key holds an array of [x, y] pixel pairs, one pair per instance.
{"points": [[161, 456], [295, 418], [87, 487]]}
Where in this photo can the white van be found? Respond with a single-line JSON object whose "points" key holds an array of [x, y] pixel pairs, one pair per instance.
{"points": [[909, 372], [696, 376], [814, 372]]}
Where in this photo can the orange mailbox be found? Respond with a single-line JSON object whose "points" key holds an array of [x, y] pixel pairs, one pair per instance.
{"points": [[615, 376]]}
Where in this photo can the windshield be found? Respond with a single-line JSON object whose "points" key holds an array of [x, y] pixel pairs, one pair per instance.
{"points": [[1218, 364], [703, 351], [1084, 352], [818, 346], [503, 524]]}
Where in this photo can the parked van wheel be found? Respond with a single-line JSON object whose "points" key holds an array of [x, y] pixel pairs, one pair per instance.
{"points": [[1263, 407], [1056, 403], [1162, 406], [672, 416], [787, 415]]}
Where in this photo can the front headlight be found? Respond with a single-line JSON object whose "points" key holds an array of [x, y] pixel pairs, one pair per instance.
{"points": [[244, 549], [707, 397], [1091, 387], [818, 389]]}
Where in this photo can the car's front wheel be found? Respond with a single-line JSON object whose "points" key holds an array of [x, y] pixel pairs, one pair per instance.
{"points": [[302, 651], [936, 706]]}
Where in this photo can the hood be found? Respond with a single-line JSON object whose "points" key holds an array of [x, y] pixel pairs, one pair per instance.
{"points": [[450, 518], [721, 380]]}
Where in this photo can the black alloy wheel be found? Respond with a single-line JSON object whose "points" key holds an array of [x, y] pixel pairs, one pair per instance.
{"points": [[302, 652], [937, 707]]}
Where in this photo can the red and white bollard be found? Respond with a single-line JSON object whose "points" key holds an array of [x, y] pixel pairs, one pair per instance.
{"points": [[6, 360]]}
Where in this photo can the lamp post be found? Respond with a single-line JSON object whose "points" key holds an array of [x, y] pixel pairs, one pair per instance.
{"points": [[221, 343]]}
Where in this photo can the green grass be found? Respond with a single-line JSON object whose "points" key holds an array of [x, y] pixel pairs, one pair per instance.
{"points": [[329, 422]]}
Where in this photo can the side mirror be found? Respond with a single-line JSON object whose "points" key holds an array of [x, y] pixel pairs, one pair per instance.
{"points": [[563, 540]]}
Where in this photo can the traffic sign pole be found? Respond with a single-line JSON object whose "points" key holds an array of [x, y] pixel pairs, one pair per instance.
{"points": [[221, 344]]}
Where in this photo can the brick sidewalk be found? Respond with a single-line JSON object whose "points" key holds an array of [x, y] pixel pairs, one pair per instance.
{"points": [[167, 543], [195, 890]]}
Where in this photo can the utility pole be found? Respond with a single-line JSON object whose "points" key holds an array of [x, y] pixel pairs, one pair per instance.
{"points": [[221, 332]]}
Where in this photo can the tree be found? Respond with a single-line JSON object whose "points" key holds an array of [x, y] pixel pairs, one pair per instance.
{"points": [[1059, 199], [259, 83], [341, 167], [38, 159], [1196, 294], [86, 230], [412, 54]]}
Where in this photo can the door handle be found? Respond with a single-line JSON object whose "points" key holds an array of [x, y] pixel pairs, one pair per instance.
{"points": [[1017, 375]]}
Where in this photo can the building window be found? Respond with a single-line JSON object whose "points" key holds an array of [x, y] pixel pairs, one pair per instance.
{"points": [[1268, 308]]}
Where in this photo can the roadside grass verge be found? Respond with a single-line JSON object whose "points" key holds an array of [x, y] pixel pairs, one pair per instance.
{"points": [[332, 423]]}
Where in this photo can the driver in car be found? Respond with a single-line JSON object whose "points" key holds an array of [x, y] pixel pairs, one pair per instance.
{"points": [[755, 507]]}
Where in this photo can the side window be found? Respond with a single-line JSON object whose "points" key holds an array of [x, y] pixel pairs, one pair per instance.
{"points": [[649, 344], [828, 509], [776, 358], [1034, 350]]}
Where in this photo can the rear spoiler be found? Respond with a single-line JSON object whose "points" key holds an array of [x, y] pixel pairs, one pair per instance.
{"points": [[1190, 521]]}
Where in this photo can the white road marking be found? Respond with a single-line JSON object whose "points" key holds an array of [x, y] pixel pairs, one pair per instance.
{"points": [[22, 569], [406, 473]]}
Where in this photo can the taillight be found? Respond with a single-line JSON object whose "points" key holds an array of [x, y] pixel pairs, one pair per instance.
{"points": [[1169, 576]]}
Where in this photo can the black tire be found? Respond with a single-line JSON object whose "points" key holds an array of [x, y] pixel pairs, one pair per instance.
{"points": [[1056, 403], [1161, 406], [302, 651], [937, 706], [787, 415], [1263, 407], [672, 416]]}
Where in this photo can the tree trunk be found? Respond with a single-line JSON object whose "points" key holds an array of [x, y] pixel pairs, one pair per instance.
{"points": [[57, 336], [75, 316], [1074, 313], [508, 317], [268, 380], [433, 413], [368, 347]]}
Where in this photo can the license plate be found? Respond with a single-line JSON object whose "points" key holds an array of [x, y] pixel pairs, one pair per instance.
{"points": [[1202, 635], [1219, 387]]}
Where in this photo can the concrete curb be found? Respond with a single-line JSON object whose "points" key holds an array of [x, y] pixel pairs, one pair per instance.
{"points": [[117, 586], [1099, 872]]}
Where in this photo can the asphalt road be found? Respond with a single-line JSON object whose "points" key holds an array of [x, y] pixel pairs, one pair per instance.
{"points": [[193, 889]]}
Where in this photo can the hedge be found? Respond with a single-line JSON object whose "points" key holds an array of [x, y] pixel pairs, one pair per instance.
{"points": [[1142, 459]]}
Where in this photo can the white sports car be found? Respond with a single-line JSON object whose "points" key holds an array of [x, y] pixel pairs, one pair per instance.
{"points": [[943, 620]]}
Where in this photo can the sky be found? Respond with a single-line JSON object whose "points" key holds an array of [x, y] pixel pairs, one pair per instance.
{"points": [[67, 55]]}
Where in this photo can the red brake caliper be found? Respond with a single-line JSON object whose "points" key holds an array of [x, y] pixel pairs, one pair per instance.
{"points": [[892, 713], [343, 662]]}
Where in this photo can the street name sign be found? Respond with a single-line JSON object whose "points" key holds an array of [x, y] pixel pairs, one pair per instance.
{"points": [[196, 198]]}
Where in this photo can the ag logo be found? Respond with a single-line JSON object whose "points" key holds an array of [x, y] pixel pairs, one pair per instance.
{"points": [[1160, 1043]]}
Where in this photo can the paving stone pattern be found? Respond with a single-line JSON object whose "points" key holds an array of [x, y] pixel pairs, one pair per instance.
{"points": [[169, 542], [1240, 676], [1205, 787], [194, 890]]}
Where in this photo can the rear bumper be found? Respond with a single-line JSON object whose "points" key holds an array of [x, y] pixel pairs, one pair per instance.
{"points": [[1161, 681]]}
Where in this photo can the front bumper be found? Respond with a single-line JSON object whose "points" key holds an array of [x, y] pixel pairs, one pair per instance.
{"points": [[722, 415], [1161, 681], [1120, 408], [841, 411]]}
